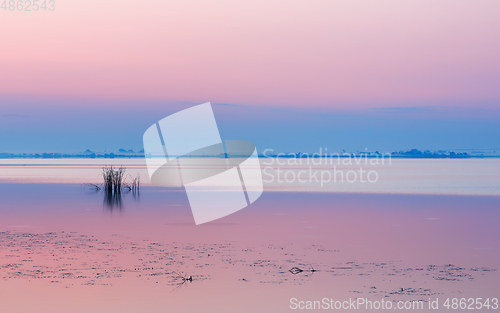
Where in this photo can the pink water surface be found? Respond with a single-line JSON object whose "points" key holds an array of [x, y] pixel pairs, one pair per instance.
{"points": [[360, 245]]}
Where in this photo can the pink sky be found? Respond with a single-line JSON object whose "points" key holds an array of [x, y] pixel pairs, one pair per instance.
{"points": [[336, 54]]}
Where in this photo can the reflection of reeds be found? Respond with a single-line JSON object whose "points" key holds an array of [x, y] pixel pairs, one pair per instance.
{"points": [[112, 200], [113, 183]]}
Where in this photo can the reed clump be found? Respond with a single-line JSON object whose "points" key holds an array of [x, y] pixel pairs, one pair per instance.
{"points": [[136, 183], [114, 181]]}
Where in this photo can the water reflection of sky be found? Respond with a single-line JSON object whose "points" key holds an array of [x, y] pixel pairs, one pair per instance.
{"points": [[70, 247]]}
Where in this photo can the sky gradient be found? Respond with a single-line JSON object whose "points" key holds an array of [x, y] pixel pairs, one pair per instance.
{"points": [[290, 75]]}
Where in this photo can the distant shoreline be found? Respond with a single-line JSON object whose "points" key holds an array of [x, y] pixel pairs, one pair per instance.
{"points": [[123, 154], [357, 156]]}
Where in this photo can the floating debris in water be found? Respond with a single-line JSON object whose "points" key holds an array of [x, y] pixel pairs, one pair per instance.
{"points": [[69, 258]]}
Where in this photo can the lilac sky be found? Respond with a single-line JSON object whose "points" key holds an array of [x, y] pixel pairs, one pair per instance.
{"points": [[288, 75]]}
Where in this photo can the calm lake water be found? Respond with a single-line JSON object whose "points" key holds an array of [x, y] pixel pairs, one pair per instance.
{"points": [[400, 176], [425, 230]]}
